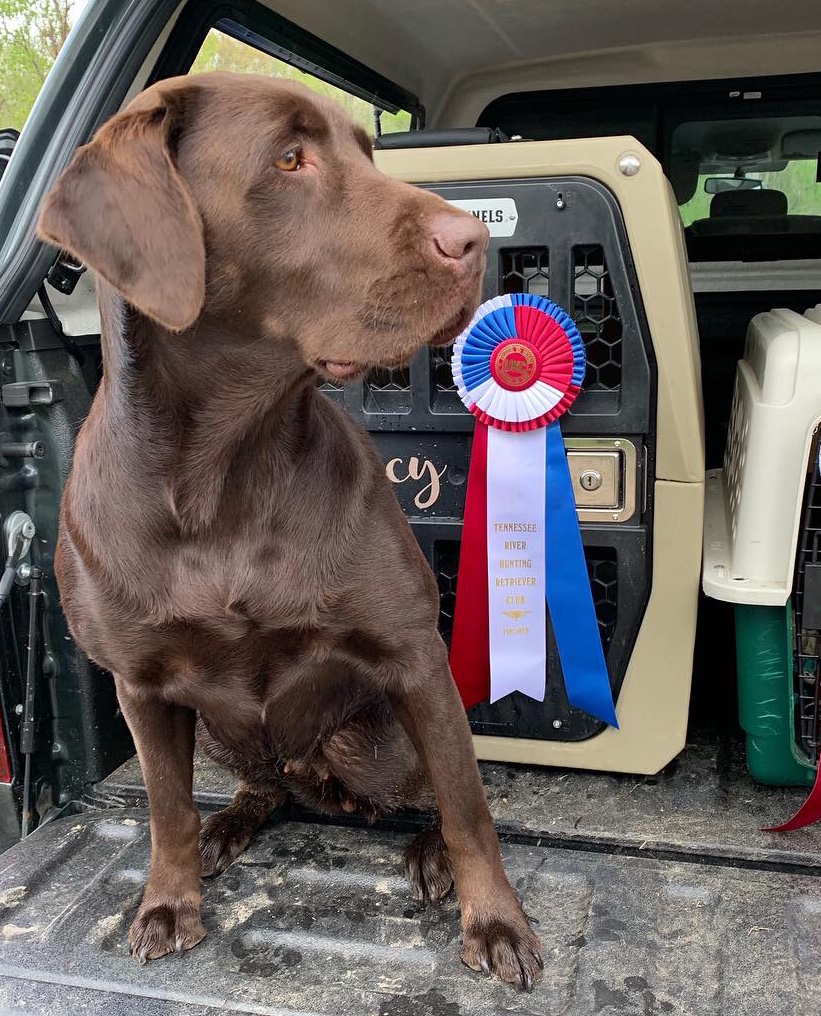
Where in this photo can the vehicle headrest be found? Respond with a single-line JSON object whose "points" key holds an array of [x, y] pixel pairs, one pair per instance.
{"points": [[684, 177], [748, 203]]}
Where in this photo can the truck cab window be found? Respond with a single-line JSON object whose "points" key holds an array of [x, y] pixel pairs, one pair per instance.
{"points": [[222, 52]]}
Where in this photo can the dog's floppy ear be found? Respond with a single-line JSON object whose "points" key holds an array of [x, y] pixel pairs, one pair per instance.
{"points": [[123, 209]]}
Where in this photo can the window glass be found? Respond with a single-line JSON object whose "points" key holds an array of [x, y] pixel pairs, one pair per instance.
{"points": [[221, 52], [32, 33], [768, 153]]}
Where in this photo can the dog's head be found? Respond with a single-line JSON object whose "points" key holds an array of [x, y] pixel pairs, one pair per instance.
{"points": [[235, 195]]}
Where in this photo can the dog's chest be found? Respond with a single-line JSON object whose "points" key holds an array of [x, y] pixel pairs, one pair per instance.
{"points": [[261, 583]]}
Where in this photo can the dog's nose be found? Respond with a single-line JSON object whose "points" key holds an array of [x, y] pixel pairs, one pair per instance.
{"points": [[459, 236]]}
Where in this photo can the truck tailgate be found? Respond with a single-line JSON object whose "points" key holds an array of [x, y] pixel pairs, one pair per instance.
{"points": [[317, 919]]}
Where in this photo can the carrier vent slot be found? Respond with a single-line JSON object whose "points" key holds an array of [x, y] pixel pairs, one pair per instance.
{"points": [[596, 313], [525, 271]]}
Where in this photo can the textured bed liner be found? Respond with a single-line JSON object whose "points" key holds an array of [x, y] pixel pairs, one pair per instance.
{"points": [[653, 896]]}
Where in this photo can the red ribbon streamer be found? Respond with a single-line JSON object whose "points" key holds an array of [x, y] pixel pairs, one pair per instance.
{"points": [[809, 812], [469, 654]]}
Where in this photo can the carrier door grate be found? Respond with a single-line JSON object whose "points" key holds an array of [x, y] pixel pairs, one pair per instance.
{"points": [[807, 617]]}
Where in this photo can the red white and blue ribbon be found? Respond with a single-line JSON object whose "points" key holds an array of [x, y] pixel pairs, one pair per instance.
{"points": [[518, 367]]}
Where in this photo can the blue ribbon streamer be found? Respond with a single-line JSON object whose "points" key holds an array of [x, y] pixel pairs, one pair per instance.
{"points": [[569, 599]]}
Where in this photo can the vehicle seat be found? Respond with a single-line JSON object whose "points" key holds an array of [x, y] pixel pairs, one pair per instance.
{"points": [[752, 211], [747, 203]]}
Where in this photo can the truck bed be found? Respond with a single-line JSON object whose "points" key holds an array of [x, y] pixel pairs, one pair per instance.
{"points": [[654, 895]]}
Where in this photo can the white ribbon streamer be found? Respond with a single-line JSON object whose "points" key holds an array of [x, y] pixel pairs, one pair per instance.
{"points": [[516, 561]]}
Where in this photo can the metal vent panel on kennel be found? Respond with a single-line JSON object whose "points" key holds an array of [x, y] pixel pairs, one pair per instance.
{"points": [[565, 238], [425, 433]]}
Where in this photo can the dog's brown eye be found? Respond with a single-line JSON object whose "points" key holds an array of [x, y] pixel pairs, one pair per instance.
{"points": [[289, 161]]}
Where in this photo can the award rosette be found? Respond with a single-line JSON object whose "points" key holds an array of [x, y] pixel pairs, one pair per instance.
{"points": [[518, 367]]}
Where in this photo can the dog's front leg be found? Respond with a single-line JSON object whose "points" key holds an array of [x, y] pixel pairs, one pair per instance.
{"points": [[496, 933], [169, 916]]}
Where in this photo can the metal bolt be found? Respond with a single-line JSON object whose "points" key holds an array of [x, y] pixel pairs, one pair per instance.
{"points": [[629, 164], [18, 709], [560, 202], [21, 449], [557, 724], [615, 516]]}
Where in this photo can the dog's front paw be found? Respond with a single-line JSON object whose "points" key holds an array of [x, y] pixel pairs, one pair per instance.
{"points": [[507, 947], [162, 928]]}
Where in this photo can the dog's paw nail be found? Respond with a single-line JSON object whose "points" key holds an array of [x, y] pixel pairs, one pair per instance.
{"points": [[507, 947]]}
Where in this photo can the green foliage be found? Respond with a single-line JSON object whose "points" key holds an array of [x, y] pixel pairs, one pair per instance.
{"points": [[222, 53], [31, 35], [32, 32], [798, 181]]}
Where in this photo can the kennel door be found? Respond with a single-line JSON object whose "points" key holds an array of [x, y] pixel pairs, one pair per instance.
{"points": [[563, 238]]}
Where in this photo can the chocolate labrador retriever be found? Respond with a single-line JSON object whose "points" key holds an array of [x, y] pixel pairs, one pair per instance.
{"points": [[230, 548]]}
